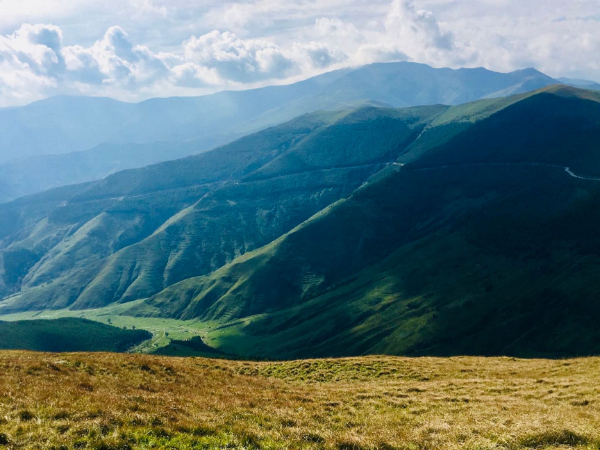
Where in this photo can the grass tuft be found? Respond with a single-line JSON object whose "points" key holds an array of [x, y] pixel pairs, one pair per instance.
{"points": [[554, 438]]}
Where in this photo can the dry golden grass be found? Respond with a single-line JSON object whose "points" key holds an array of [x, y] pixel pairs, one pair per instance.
{"points": [[108, 401]]}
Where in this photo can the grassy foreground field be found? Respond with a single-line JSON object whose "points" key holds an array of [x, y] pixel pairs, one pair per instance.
{"points": [[110, 401]]}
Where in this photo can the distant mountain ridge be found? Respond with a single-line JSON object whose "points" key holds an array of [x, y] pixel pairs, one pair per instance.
{"points": [[191, 125], [26, 176], [577, 82], [64, 124]]}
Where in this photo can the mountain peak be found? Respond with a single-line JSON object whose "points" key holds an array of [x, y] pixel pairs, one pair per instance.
{"points": [[530, 71], [564, 90]]}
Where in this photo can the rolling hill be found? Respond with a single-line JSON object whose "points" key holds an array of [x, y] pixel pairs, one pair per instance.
{"points": [[432, 230], [68, 335], [67, 140]]}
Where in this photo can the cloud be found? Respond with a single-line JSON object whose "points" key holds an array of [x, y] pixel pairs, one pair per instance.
{"points": [[194, 76], [372, 53], [416, 28], [237, 59], [39, 47], [35, 62], [30, 61], [335, 27], [412, 34], [317, 55]]}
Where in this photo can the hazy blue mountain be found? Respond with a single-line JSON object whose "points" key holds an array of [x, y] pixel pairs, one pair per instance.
{"points": [[577, 82], [410, 84], [59, 125], [20, 177], [66, 124]]}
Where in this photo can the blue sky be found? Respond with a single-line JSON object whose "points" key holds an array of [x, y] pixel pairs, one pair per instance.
{"points": [[136, 49]]}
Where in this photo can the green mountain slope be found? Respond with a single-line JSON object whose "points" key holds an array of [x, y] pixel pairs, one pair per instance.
{"points": [[431, 230], [68, 335], [137, 232], [557, 126], [480, 258]]}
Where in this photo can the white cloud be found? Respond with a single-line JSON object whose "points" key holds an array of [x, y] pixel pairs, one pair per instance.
{"points": [[372, 53], [191, 75], [236, 59], [37, 46], [30, 59], [413, 27], [190, 47], [36, 63], [412, 34], [316, 56], [328, 27]]}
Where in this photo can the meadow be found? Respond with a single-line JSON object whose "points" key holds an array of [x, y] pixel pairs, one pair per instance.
{"points": [[137, 401]]}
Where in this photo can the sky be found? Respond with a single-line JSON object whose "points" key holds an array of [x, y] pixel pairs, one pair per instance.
{"points": [[136, 49]]}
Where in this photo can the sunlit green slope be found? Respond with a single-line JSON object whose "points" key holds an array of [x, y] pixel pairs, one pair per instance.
{"points": [[135, 233]]}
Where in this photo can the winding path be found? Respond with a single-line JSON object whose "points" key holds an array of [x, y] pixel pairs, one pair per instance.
{"points": [[555, 166], [581, 177]]}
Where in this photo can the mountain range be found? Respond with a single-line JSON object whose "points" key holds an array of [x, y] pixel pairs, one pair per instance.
{"points": [[68, 140], [466, 229]]}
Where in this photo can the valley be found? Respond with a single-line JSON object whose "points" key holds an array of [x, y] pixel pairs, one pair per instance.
{"points": [[163, 330]]}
